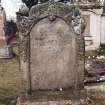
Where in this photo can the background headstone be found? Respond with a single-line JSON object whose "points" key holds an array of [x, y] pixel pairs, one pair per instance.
{"points": [[5, 50]]}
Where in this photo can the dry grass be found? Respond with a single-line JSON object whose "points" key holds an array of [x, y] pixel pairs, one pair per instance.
{"points": [[95, 101], [10, 78]]}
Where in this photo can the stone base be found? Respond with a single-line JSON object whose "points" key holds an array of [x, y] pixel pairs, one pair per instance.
{"points": [[60, 102], [6, 52], [54, 98]]}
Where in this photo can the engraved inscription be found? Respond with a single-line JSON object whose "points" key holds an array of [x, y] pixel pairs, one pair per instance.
{"points": [[52, 65], [50, 43]]}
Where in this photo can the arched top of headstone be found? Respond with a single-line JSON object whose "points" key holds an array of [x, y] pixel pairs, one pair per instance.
{"points": [[58, 8], [51, 10]]}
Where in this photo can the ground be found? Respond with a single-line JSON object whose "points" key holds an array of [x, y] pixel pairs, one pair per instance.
{"points": [[10, 79], [97, 102], [10, 82]]}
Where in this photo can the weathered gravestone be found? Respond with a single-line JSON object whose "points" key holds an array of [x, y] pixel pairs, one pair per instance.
{"points": [[52, 54]]}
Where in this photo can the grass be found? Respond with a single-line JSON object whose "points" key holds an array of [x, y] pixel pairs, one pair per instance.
{"points": [[95, 101], [10, 79]]}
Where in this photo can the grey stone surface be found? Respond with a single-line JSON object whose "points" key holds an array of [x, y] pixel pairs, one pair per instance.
{"points": [[51, 56], [6, 52], [60, 102], [52, 66], [69, 97]]}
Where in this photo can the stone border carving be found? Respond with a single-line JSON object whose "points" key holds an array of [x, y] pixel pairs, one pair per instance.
{"points": [[52, 10]]}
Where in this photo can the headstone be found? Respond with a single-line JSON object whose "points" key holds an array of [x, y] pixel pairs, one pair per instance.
{"points": [[5, 49], [51, 52]]}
